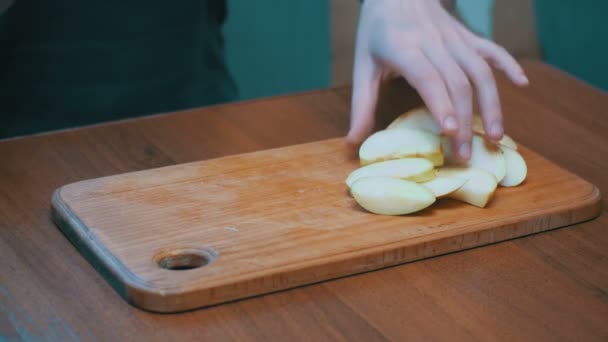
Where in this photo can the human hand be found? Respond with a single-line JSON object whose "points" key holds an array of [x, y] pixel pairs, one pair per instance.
{"points": [[439, 57]]}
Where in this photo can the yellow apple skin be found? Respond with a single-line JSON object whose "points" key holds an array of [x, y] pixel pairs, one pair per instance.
{"points": [[507, 141], [436, 158], [401, 143], [414, 169], [391, 196], [517, 170], [478, 189]]}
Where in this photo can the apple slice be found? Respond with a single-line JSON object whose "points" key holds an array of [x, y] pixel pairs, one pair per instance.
{"points": [[435, 158], [484, 155], [506, 140], [419, 118], [479, 187], [391, 196], [401, 143], [443, 186], [517, 170], [414, 169]]}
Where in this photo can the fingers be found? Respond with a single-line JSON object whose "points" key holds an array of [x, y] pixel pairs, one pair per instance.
{"points": [[461, 143], [426, 79], [480, 73], [456, 82], [502, 60], [366, 84], [497, 55]]}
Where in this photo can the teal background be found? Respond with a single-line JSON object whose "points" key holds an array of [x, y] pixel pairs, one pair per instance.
{"points": [[277, 47], [574, 37]]}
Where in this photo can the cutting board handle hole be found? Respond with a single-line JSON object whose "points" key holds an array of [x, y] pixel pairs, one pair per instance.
{"points": [[181, 259]]}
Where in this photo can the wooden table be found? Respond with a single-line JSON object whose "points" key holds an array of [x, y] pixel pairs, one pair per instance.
{"points": [[550, 286]]}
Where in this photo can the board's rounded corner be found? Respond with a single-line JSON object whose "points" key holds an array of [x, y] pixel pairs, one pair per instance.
{"points": [[56, 195], [596, 193], [595, 199], [60, 210], [155, 299], [590, 206]]}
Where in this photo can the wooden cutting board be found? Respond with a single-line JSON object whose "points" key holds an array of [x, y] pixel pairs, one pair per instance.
{"points": [[192, 235]]}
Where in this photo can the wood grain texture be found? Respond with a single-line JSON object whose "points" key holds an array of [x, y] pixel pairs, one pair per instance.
{"points": [[549, 286], [276, 219]]}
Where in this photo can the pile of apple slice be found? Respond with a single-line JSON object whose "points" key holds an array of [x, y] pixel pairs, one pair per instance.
{"points": [[407, 166]]}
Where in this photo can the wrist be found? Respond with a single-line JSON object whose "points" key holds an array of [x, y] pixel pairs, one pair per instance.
{"points": [[449, 4]]}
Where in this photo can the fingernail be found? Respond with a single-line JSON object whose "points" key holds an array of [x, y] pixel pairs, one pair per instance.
{"points": [[523, 79], [450, 123], [496, 129], [465, 150]]}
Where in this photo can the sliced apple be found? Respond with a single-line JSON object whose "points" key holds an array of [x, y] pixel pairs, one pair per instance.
{"points": [[446, 147], [506, 140], [443, 186], [484, 155], [419, 118], [391, 196], [436, 158], [517, 170], [401, 143], [479, 187], [414, 169], [487, 156]]}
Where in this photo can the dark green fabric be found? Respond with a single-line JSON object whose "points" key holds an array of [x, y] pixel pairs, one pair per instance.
{"points": [[67, 63]]}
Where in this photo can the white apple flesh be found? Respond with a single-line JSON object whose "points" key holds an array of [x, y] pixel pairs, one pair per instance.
{"points": [[443, 186], [479, 187], [401, 143], [517, 170], [391, 196], [414, 169], [484, 155], [419, 118]]}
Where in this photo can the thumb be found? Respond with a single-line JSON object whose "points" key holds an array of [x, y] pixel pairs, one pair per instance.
{"points": [[366, 84]]}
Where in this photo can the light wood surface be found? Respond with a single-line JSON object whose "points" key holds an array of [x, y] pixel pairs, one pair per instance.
{"points": [[548, 286], [271, 220]]}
